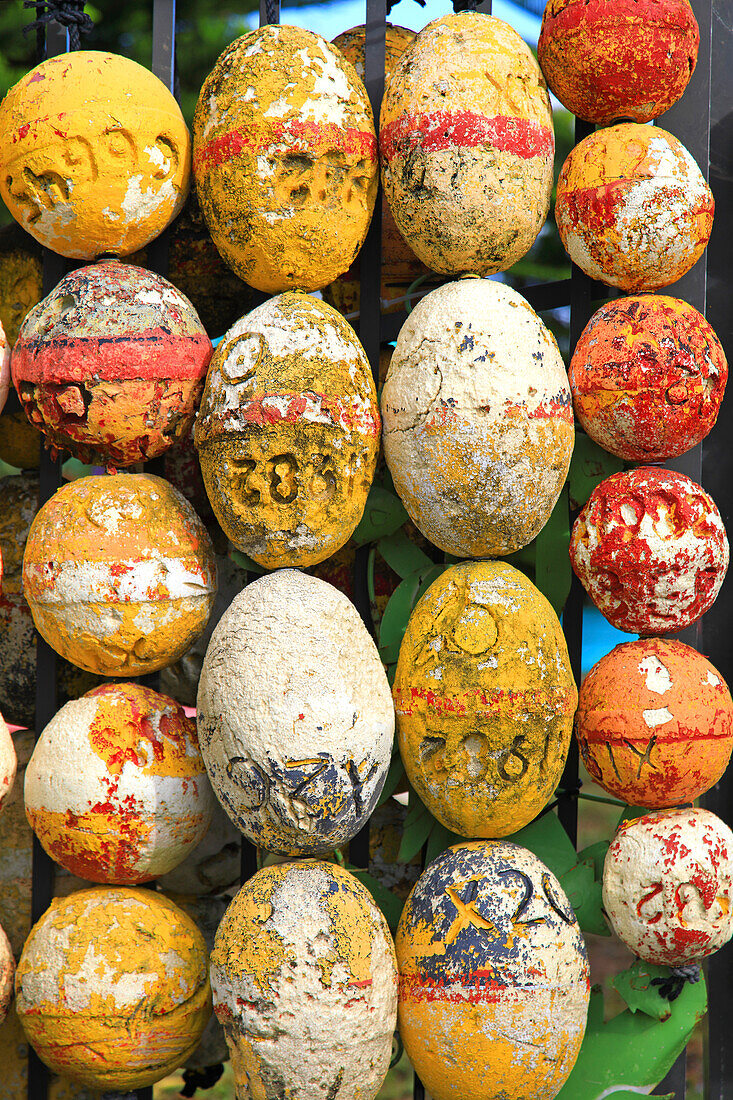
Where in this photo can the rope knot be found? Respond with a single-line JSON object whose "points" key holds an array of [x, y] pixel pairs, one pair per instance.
{"points": [[200, 1079], [671, 986], [68, 13]]}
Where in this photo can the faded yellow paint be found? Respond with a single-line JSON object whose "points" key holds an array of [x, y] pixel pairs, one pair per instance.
{"points": [[484, 699], [94, 154], [21, 279], [285, 159], [146, 997]]}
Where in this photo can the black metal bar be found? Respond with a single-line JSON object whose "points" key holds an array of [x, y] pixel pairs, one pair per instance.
{"points": [[164, 67], [676, 1079], [370, 267]]}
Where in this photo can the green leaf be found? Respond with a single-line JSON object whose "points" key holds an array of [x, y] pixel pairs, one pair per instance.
{"points": [[590, 464], [634, 985], [402, 555], [397, 611], [585, 894], [553, 571], [632, 1051], [388, 902], [548, 840], [596, 853], [245, 562], [418, 825], [395, 774], [440, 838], [384, 513]]}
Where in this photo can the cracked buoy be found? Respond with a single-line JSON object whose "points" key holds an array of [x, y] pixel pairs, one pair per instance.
{"points": [[650, 549], [633, 209], [668, 885], [624, 59], [131, 951], [111, 364], [304, 981], [285, 159], [477, 419], [119, 573], [295, 715], [466, 145], [484, 697], [493, 976], [288, 431], [655, 723], [648, 376], [116, 790], [94, 155], [8, 761]]}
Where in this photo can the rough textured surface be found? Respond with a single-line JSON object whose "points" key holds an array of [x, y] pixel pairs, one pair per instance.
{"points": [[295, 715], [668, 885], [633, 209], [285, 159], [116, 790], [213, 866], [20, 442], [650, 549], [111, 364], [288, 431], [4, 369], [7, 974], [612, 59], [8, 762], [466, 144], [119, 573], [478, 423], [112, 987], [21, 278], [305, 984], [94, 154], [655, 723], [484, 697], [648, 375], [493, 976]]}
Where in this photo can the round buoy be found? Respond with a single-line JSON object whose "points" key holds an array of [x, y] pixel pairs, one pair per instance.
{"points": [[116, 790], [119, 573], [94, 154], [485, 698], [493, 976], [288, 431], [466, 144], [8, 761], [648, 375], [650, 549], [478, 423], [295, 716], [655, 723], [285, 159], [607, 61], [111, 365], [112, 987], [5, 379], [7, 974], [668, 885], [633, 209], [21, 278], [326, 986]]}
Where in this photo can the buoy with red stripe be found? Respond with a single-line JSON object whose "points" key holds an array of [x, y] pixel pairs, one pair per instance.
{"points": [[110, 366], [467, 145], [285, 159], [493, 993], [478, 422], [288, 431]]}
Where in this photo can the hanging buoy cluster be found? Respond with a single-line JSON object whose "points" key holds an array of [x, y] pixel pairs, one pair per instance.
{"points": [[295, 717]]}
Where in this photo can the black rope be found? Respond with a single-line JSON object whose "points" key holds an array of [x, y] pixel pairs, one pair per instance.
{"points": [[68, 13], [391, 4], [465, 5], [204, 1078], [671, 986], [272, 11]]}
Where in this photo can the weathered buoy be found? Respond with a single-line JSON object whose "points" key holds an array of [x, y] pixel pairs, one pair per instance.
{"points": [[21, 278], [288, 431], [607, 61], [7, 974], [8, 761], [668, 885], [655, 723], [466, 144], [493, 976], [633, 208], [119, 573], [650, 549], [111, 364], [484, 697], [112, 987], [297, 756], [5, 380], [326, 986], [648, 375], [116, 790], [94, 154], [478, 423], [214, 866], [285, 159]]}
